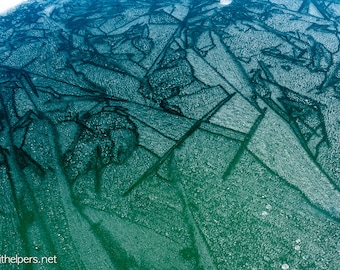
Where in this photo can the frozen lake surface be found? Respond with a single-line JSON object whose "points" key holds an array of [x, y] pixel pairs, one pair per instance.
{"points": [[171, 134]]}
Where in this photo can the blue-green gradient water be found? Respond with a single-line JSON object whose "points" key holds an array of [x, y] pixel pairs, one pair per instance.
{"points": [[170, 135]]}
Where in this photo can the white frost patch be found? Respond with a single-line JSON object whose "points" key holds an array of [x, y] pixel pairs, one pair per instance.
{"points": [[297, 248], [269, 207], [285, 266], [49, 10], [225, 2], [8, 5]]}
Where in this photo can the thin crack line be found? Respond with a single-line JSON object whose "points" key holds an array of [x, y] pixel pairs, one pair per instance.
{"points": [[244, 145], [153, 168]]}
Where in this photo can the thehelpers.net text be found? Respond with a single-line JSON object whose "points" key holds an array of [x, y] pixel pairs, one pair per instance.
{"points": [[17, 259]]}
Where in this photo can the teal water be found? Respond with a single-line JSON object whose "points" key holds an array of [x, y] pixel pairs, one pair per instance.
{"points": [[170, 135]]}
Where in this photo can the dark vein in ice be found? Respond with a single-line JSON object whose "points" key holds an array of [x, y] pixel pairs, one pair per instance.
{"points": [[25, 217], [292, 123], [292, 187], [247, 98], [155, 167], [149, 151], [323, 12], [244, 145], [117, 254], [166, 47], [149, 126], [206, 129], [198, 237]]}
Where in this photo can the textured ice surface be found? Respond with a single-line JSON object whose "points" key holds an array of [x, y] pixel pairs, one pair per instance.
{"points": [[171, 134]]}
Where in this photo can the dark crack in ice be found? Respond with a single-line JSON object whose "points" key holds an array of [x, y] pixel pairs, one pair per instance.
{"points": [[171, 134]]}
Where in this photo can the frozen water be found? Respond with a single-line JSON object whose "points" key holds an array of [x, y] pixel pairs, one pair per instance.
{"points": [[285, 266], [171, 134], [225, 2]]}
